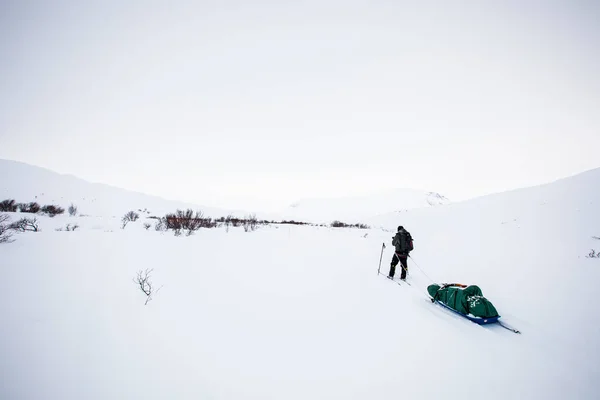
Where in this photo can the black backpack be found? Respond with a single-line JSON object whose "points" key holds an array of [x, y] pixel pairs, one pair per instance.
{"points": [[403, 242]]}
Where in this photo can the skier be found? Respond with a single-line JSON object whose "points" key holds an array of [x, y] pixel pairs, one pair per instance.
{"points": [[403, 243]]}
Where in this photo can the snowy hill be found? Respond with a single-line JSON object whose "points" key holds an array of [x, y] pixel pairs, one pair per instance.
{"points": [[25, 183], [354, 209], [298, 312]]}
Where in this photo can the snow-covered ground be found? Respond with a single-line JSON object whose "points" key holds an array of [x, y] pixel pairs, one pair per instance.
{"points": [[299, 312]]}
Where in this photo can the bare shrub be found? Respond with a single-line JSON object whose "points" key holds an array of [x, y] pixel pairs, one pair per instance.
{"points": [[235, 222], [160, 226], [130, 216], [223, 221], [52, 210], [340, 224], [145, 284], [147, 226], [32, 207], [5, 229], [250, 223], [25, 224], [292, 222], [8, 206], [227, 222], [72, 210], [187, 221], [68, 228], [593, 254]]}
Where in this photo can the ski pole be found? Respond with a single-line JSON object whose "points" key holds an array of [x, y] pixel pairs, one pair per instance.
{"points": [[380, 258]]}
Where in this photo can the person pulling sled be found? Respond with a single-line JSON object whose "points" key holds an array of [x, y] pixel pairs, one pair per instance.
{"points": [[403, 243]]}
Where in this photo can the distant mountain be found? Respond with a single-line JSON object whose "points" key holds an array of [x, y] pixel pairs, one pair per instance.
{"points": [[355, 208], [25, 183]]}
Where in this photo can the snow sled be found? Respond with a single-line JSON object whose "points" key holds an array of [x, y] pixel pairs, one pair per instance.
{"points": [[466, 301], [477, 320]]}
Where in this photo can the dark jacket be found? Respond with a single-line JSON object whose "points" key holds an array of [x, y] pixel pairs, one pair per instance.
{"points": [[402, 241]]}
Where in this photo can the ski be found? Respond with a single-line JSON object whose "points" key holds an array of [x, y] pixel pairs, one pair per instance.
{"points": [[509, 328], [391, 279], [400, 281], [479, 321], [395, 281]]}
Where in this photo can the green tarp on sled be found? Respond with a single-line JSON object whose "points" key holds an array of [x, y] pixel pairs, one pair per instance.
{"points": [[466, 300]]}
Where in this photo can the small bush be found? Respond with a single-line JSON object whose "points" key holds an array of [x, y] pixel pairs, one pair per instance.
{"points": [[68, 228], [5, 229], [32, 207], [593, 254], [340, 224], [160, 226], [25, 224], [147, 226], [8, 206], [227, 222], [130, 216], [142, 280], [250, 223], [72, 210], [292, 222], [235, 222], [187, 221], [52, 210]]}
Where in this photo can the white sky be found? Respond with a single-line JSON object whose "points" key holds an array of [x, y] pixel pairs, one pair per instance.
{"points": [[274, 101]]}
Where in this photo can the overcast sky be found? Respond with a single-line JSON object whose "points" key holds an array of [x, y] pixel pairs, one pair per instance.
{"points": [[282, 100]]}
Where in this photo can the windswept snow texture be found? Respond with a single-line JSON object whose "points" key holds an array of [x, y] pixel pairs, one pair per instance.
{"points": [[299, 312], [26, 183], [356, 209]]}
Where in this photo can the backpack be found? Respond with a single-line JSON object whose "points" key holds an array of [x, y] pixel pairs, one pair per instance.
{"points": [[403, 242]]}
